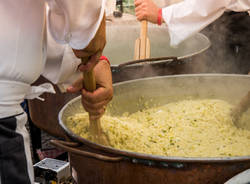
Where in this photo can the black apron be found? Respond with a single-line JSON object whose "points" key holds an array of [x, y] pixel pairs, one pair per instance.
{"points": [[13, 163]]}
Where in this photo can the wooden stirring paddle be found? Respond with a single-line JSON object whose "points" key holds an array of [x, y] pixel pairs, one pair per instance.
{"points": [[95, 125], [142, 44], [240, 108], [95, 47]]}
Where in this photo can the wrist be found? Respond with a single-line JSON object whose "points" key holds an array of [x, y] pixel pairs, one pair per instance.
{"points": [[159, 17], [104, 58]]}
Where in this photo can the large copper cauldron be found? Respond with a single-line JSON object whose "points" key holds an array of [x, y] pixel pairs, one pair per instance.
{"points": [[100, 164]]}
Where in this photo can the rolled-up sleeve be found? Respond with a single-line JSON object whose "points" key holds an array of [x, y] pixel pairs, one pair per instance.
{"points": [[239, 5], [70, 24], [61, 64], [75, 21], [189, 17]]}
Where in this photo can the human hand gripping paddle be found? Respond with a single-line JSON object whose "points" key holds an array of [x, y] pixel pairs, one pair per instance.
{"points": [[94, 48], [95, 129]]}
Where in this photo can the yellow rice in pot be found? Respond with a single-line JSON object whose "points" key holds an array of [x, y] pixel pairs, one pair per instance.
{"points": [[188, 128]]}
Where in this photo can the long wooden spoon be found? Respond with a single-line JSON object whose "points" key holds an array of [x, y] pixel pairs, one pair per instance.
{"points": [[240, 108]]}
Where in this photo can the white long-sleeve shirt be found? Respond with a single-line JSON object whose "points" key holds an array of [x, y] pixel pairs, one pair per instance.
{"points": [[24, 44], [191, 16]]}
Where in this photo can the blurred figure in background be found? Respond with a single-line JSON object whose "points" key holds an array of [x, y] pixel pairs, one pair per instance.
{"points": [[188, 17], [226, 23]]}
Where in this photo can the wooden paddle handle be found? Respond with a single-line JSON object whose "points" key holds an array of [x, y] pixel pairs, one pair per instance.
{"points": [[245, 103], [143, 39], [242, 106], [90, 85], [89, 78]]}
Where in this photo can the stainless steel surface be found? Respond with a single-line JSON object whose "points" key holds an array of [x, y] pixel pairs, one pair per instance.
{"points": [[130, 97]]}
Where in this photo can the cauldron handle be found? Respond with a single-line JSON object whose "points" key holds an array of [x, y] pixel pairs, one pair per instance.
{"points": [[71, 147], [152, 60]]}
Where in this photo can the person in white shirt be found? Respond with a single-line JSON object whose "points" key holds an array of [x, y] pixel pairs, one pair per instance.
{"points": [[188, 17], [23, 58]]}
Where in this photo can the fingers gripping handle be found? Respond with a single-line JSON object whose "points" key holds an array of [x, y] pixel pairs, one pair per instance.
{"points": [[90, 85]]}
